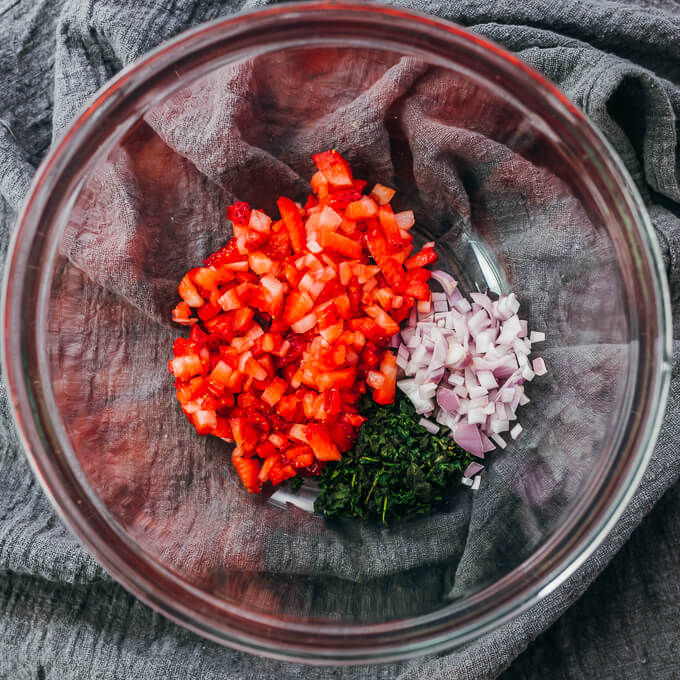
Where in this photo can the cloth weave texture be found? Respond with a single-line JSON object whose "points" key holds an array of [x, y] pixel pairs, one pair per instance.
{"points": [[62, 615]]}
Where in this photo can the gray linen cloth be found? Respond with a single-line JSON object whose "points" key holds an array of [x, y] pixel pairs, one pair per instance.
{"points": [[62, 615]]}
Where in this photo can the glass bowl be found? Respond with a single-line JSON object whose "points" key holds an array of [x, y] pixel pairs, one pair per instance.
{"points": [[520, 193]]}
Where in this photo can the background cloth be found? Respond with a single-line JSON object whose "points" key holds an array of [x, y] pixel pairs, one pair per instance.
{"points": [[62, 615]]}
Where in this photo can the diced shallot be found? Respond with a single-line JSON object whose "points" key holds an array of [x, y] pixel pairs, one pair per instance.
{"points": [[431, 427], [539, 366], [465, 364], [446, 281], [473, 469]]}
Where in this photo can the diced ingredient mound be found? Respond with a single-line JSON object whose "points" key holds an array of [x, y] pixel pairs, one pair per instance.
{"points": [[396, 469], [291, 322]]}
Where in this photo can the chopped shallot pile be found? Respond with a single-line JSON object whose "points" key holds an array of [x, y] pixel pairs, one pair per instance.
{"points": [[464, 365]]}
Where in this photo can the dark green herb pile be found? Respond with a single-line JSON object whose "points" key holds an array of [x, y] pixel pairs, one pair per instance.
{"points": [[396, 469]]}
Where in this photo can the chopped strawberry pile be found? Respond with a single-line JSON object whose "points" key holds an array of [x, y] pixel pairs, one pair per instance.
{"points": [[290, 323]]}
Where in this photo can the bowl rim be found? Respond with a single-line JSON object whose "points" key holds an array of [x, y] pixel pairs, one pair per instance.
{"points": [[370, 642]]}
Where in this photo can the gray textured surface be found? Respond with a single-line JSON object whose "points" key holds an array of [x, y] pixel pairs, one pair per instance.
{"points": [[63, 617]]}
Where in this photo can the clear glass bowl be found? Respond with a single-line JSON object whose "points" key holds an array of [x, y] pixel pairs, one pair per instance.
{"points": [[520, 193]]}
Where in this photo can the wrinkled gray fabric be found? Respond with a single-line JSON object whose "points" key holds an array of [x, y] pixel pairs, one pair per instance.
{"points": [[61, 613]]}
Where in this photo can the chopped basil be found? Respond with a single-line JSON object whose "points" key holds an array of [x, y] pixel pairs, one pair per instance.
{"points": [[397, 469]]}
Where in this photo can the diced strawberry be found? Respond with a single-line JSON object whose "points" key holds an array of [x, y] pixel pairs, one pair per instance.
{"points": [[394, 274], [312, 200], [362, 209], [189, 293], [179, 346], [375, 379], [422, 259], [208, 311], [298, 432], [266, 450], [275, 391], [287, 407], [384, 296], [389, 227], [245, 435], [345, 273], [377, 245], [243, 318], [205, 421], [382, 194], [292, 274], [248, 470], [273, 289], [343, 435], [340, 244], [292, 220], [278, 439], [320, 440], [293, 319], [239, 213], [306, 323], [388, 368], [227, 253], [383, 319], [339, 200], [328, 219], [230, 300], [304, 460], [187, 366], [331, 333], [298, 304], [418, 275], [319, 184], [278, 246], [354, 419], [259, 222], [280, 472], [343, 379], [419, 290], [181, 314], [221, 373], [405, 220], [259, 263], [334, 168], [263, 476]]}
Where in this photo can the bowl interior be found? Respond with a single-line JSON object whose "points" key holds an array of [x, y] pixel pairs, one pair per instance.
{"points": [[516, 199]]}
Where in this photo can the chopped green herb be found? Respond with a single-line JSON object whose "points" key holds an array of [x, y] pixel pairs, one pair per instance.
{"points": [[397, 469]]}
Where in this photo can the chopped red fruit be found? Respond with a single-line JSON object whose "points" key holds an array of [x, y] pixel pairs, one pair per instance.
{"points": [[422, 259], [334, 168], [290, 323], [320, 440], [239, 213], [388, 369], [248, 470], [292, 220], [382, 194], [389, 227]]}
